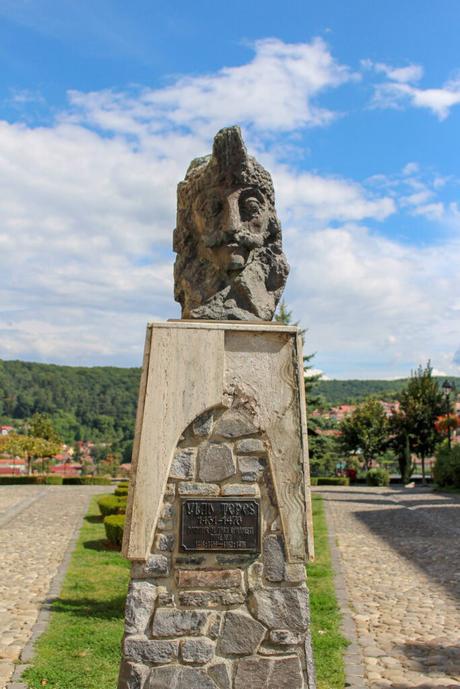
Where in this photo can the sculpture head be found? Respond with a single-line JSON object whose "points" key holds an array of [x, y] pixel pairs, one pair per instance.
{"points": [[229, 262]]}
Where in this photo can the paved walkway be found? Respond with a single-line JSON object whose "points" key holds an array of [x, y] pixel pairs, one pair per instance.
{"points": [[36, 525], [400, 556]]}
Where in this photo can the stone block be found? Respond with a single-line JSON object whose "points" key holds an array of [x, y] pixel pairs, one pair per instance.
{"points": [[209, 579], [131, 676], [202, 426], [197, 651], [157, 566], [234, 424], [255, 572], [284, 637], [179, 678], [294, 573], [189, 560], [259, 672], [250, 446], [281, 608], [140, 604], [237, 559], [168, 511], [215, 624], [183, 464], [170, 622], [142, 650], [221, 674], [215, 462], [251, 468], [210, 599], [165, 597], [200, 489], [164, 542], [273, 554], [240, 489], [241, 635]]}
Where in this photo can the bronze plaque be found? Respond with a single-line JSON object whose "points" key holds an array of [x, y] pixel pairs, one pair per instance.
{"points": [[226, 524]]}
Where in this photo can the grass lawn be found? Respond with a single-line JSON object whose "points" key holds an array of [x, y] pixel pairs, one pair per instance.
{"points": [[328, 642], [80, 648]]}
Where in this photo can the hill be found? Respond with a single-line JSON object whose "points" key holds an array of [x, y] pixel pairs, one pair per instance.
{"points": [[337, 392]]}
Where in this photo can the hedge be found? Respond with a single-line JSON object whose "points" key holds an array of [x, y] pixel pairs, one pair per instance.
{"points": [[330, 481], [39, 479], [378, 477], [114, 525], [446, 470], [111, 504], [87, 481], [121, 491]]}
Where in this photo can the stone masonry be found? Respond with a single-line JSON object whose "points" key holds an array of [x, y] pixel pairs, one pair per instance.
{"points": [[217, 620]]}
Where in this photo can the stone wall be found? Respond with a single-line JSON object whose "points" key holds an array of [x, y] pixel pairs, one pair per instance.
{"points": [[218, 620]]}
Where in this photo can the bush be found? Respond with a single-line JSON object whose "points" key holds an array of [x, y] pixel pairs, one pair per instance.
{"points": [[114, 525], [378, 477], [87, 481], [330, 481], [121, 491], [39, 479], [111, 504], [446, 470]]}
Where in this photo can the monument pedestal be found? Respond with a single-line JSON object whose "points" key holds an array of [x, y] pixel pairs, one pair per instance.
{"points": [[219, 517]]}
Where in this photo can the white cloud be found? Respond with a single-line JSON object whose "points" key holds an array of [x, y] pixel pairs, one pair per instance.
{"points": [[404, 75]]}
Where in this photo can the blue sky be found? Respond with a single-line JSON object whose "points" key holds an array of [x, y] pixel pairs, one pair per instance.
{"points": [[354, 108]]}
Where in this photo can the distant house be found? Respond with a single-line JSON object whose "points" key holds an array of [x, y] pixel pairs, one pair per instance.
{"points": [[5, 430], [12, 466], [67, 469]]}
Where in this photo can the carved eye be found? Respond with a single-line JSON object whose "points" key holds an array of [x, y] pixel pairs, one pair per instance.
{"points": [[216, 207], [250, 207]]}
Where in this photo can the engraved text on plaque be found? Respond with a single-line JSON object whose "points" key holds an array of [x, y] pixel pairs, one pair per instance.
{"points": [[220, 524]]}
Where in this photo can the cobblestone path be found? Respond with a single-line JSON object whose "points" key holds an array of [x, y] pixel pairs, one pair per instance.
{"points": [[36, 525], [400, 555]]}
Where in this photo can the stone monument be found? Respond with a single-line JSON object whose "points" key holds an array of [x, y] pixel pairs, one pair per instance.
{"points": [[218, 525]]}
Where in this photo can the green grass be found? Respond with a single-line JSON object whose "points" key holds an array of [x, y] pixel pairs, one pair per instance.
{"points": [[81, 647], [328, 642]]}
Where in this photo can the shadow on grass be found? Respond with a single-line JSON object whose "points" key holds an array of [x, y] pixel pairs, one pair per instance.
{"points": [[109, 609], [93, 518], [102, 545]]}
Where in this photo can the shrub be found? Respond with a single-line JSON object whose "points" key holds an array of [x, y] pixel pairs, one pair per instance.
{"points": [[313, 481], [378, 477], [87, 481], [446, 470], [121, 491], [39, 479], [114, 524], [333, 481], [111, 504]]}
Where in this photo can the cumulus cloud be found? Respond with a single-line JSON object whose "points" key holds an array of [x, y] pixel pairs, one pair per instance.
{"points": [[400, 90], [88, 208]]}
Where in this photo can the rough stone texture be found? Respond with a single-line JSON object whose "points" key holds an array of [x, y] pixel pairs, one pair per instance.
{"points": [[197, 651], [202, 426], [241, 635], [294, 574], [210, 599], [217, 579], [250, 446], [203, 489], [229, 264], [220, 673], [131, 676], [274, 562], [240, 489], [165, 542], [269, 673], [284, 637], [142, 650], [155, 566], [216, 462], [169, 622], [281, 608], [233, 424], [183, 464], [139, 605], [179, 678], [251, 468]]}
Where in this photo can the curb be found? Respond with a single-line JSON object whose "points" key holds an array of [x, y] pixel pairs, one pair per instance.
{"points": [[45, 610], [353, 658]]}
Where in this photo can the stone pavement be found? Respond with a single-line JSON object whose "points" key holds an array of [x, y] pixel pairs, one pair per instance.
{"points": [[36, 526], [399, 553]]}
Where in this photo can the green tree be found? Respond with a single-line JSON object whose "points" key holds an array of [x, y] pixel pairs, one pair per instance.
{"points": [[41, 426], [421, 403], [29, 447], [365, 431]]}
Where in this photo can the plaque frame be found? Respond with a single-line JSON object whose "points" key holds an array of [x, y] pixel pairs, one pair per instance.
{"points": [[256, 550]]}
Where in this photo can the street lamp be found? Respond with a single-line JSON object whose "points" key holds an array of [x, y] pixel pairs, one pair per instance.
{"points": [[447, 389]]}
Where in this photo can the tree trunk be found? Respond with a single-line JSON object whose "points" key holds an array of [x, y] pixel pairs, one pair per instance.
{"points": [[423, 470]]}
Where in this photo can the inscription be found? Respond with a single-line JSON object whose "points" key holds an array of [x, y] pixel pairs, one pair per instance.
{"points": [[224, 525]]}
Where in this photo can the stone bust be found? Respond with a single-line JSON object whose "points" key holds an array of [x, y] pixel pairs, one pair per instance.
{"points": [[230, 264]]}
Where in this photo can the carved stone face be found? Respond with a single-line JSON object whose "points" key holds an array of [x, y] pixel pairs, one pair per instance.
{"points": [[229, 261]]}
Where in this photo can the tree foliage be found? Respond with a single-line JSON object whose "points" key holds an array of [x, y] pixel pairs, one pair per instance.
{"points": [[365, 431], [28, 447]]}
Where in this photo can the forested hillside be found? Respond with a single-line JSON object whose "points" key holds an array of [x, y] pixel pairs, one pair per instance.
{"points": [[99, 403]]}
